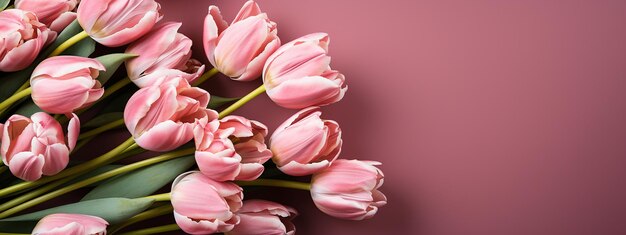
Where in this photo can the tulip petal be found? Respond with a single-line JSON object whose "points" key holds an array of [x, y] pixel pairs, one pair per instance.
{"points": [[221, 166], [239, 44], [166, 136], [298, 169], [27, 166], [214, 25], [56, 159], [305, 92], [73, 130], [249, 9]]}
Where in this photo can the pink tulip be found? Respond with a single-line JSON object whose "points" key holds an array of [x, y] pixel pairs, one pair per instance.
{"points": [[240, 50], [36, 146], [348, 189], [298, 74], [305, 144], [162, 48], [22, 37], [260, 217], [115, 23], [205, 206], [70, 224], [161, 117], [56, 14], [62, 84], [221, 159]]}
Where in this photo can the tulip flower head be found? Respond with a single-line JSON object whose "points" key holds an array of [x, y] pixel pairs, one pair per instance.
{"points": [[348, 189], [70, 224], [204, 206], [305, 144], [36, 146], [56, 14], [161, 117], [162, 48], [115, 23], [22, 37], [298, 74], [240, 50], [220, 159], [62, 84], [260, 217]]}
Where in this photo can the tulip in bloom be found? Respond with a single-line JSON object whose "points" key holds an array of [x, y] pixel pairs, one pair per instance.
{"points": [[260, 217], [162, 48], [22, 37], [162, 117], [298, 74], [36, 146], [305, 144], [56, 14], [348, 189], [221, 159], [204, 206], [240, 50], [115, 23], [62, 84], [70, 224]]}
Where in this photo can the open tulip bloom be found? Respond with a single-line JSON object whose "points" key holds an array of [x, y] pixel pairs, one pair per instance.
{"points": [[209, 157]]}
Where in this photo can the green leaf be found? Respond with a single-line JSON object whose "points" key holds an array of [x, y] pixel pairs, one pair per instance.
{"points": [[111, 62], [103, 119], [69, 31], [142, 182], [11, 81], [28, 108], [113, 210], [4, 4], [217, 101], [83, 48]]}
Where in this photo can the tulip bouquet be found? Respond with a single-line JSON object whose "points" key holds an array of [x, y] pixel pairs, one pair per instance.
{"points": [[56, 97]]}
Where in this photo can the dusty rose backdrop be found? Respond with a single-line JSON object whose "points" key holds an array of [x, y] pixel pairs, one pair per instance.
{"points": [[491, 116]]}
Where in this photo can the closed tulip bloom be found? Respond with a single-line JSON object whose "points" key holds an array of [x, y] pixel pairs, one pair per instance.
{"points": [[260, 217], [22, 37], [70, 224], [36, 146], [62, 84], [240, 50], [220, 159], [115, 23], [56, 14], [204, 206], [161, 117], [298, 74], [162, 48], [305, 144], [348, 189]]}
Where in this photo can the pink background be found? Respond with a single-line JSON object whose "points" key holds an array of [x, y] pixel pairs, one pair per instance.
{"points": [[490, 116]]}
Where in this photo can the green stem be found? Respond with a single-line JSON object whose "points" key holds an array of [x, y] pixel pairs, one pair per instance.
{"points": [[104, 159], [242, 101], [276, 183], [15, 97], [162, 210], [154, 230], [69, 43], [95, 179], [160, 197], [205, 77], [115, 87], [35, 193], [101, 129]]}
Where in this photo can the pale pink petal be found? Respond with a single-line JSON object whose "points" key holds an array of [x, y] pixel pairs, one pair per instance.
{"points": [[27, 166]]}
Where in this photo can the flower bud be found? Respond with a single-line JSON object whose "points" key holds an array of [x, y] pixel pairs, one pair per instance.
{"points": [[204, 206], [36, 146], [70, 224], [348, 189], [298, 74], [220, 159], [115, 23], [305, 144], [56, 14], [260, 217], [240, 50], [22, 37], [162, 48], [161, 117], [62, 84]]}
